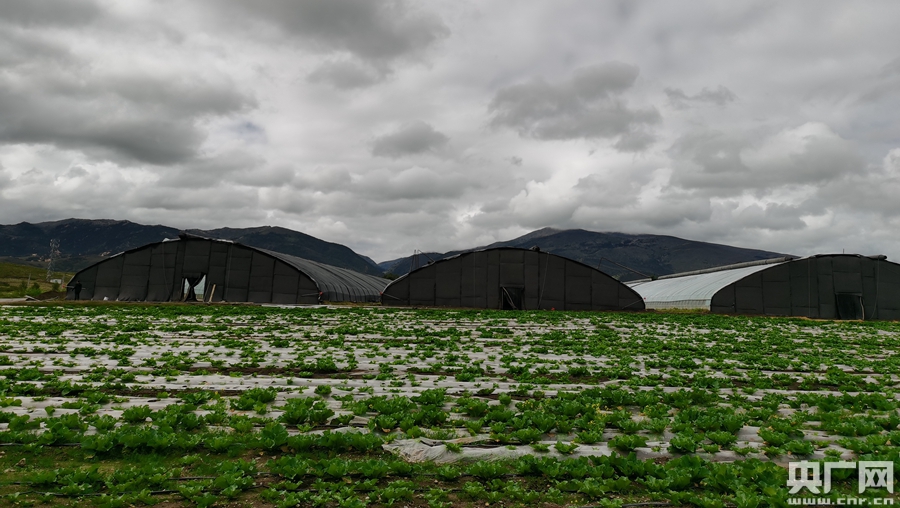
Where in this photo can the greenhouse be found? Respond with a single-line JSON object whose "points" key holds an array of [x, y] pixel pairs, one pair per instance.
{"points": [[511, 278], [193, 268], [826, 286]]}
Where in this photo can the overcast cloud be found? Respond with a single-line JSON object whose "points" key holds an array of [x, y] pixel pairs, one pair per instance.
{"points": [[398, 125]]}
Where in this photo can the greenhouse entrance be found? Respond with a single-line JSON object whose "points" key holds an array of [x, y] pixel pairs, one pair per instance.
{"points": [[850, 306], [511, 297], [193, 287]]}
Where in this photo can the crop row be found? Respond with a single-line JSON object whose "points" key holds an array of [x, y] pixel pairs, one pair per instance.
{"points": [[298, 407]]}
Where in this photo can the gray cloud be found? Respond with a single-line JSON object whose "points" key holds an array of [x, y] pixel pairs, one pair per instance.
{"points": [[412, 138], [891, 68], [20, 48], [250, 132], [56, 97], [180, 200], [72, 124], [726, 165], [872, 189], [31, 13], [380, 31], [5, 179], [721, 96], [612, 190], [363, 196], [675, 210], [333, 117], [229, 167], [635, 140], [883, 87], [417, 184], [327, 181], [75, 172], [613, 202], [347, 74], [586, 106], [773, 216], [32, 175]]}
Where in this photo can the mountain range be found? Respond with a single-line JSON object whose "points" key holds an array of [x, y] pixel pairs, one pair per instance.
{"points": [[626, 256], [83, 242], [622, 255]]}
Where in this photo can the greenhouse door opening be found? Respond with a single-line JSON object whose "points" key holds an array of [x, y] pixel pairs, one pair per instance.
{"points": [[850, 306], [511, 297], [193, 287]]}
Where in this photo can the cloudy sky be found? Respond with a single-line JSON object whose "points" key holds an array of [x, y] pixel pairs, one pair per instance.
{"points": [[398, 125]]}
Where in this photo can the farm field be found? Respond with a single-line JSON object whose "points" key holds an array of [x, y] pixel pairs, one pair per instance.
{"points": [[191, 405]]}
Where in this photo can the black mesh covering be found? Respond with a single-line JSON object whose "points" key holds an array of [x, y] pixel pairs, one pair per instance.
{"points": [[828, 286], [511, 278], [234, 273], [336, 284]]}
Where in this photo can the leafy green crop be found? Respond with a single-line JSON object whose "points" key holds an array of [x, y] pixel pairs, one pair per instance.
{"points": [[179, 398]]}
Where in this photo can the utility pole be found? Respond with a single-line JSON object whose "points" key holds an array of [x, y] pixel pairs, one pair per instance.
{"points": [[54, 255], [415, 262]]}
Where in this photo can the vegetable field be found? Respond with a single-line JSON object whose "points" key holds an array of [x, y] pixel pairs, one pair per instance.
{"points": [[173, 405]]}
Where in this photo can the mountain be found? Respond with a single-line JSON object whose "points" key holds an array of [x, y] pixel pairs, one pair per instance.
{"points": [[402, 265], [82, 242], [643, 255], [295, 243]]}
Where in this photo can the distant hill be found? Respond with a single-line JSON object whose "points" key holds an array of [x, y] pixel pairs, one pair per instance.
{"points": [[297, 244], [18, 280], [84, 241], [402, 265], [652, 255]]}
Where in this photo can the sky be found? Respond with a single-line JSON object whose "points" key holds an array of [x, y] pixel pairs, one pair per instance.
{"points": [[390, 126]]}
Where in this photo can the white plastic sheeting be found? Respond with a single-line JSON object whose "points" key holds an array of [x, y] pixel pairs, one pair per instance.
{"points": [[690, 291]]}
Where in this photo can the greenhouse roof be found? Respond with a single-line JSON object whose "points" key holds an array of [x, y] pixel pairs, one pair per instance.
{"points": [[335, 282], [694, 290]]}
